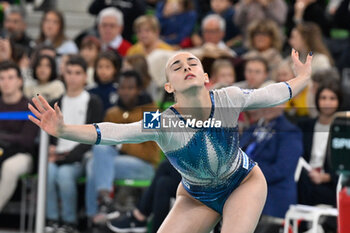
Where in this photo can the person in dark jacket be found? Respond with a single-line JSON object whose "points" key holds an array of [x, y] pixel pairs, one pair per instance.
{"points": [[16, 136], [318, 186], [276, 145], [65, 158], [131, 9], [128, 162]]}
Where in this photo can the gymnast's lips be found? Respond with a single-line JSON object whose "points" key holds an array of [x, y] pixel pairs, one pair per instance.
{"points": [[189, 76]]}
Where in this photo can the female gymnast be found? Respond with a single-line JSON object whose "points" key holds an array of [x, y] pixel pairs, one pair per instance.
{"points": [[218, 179]]}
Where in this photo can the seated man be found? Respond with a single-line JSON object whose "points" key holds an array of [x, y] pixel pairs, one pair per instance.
{"points": [[65, 157], [276, 145], [132, 161], [16, 136]]}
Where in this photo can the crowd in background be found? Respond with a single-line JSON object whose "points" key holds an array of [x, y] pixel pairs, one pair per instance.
{"points": [[115, 69]]}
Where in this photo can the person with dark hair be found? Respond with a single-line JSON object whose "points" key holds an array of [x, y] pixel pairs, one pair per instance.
{"points": [[89, 50], [139, 64], [319, 185], [16, 136], [107, 67], [65, 158], [52, 32], [44, 49], [129, 161], [47, 84], [15, 28]]}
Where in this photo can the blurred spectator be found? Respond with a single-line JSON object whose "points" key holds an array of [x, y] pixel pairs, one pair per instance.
{"points": [[318, 78], [139, 64], [256, 73], [107, 67], [225, 9], [52, 29], [131, 9], [47, 84], [318, 186], [131, 161], [342, 14], [264, 40], [155, 200], [213, 30], [341, 17], [5, 50], [297, 106], [222, 74], [276, 145], [90, 48], [43, 49], [110, 27], [250, 10], [301, 11], [147, 30], [65, 157], [15, 28], [177, 20], [306, 37], [62, 65], [16, 136]]}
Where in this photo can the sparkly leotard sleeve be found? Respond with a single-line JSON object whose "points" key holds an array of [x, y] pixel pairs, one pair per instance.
{"points": [[209, 159]]}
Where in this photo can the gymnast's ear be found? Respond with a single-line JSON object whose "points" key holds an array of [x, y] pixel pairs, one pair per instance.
{"points": [[206, 78], [168, 87]]}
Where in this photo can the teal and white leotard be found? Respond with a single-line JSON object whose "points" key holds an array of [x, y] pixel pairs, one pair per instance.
{"points": [[209, 159]]}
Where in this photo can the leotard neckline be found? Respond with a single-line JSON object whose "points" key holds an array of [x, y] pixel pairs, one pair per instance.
{"points": [[211, 111]]}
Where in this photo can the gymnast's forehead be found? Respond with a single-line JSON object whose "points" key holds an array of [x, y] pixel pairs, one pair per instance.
{"points": [[178, 56]]}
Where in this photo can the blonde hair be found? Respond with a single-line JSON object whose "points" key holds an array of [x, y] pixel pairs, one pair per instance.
{"points": [[265, 26], [219, 64], [149, 20]]}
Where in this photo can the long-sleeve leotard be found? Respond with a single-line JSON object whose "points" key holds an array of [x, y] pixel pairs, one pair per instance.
{"points": [[203, 156]]}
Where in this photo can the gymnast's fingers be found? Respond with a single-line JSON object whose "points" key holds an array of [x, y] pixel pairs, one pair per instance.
{"points": [[38, 105], [34, 120], [45, 104], [34, 111], [57, 109], [309, 58]]}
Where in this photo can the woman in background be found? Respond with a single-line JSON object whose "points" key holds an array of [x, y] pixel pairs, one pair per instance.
{"points": [[47, 84], [52, 29], [107, 67]]}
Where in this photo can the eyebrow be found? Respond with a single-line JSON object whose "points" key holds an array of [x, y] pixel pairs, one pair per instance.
{"points": [[178, 61]]}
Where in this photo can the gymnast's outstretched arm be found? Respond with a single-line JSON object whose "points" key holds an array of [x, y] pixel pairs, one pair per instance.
{"points": [[273, 94], [51, 120]]}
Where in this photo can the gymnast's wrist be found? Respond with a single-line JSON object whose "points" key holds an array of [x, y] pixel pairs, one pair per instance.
{"points": [[98, 133]]}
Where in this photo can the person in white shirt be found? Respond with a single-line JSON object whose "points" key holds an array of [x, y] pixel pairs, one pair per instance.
{"points": [[65, 157]]}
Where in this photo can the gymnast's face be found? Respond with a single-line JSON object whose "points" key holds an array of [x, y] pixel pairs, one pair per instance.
{"points": [[184, 71]]}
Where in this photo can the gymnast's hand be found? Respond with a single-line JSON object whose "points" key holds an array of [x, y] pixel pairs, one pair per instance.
{"points": [[301, 69], [48, 119]]}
